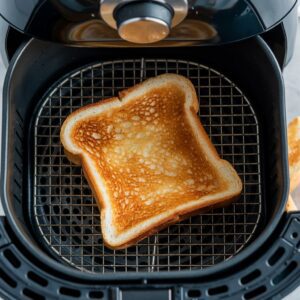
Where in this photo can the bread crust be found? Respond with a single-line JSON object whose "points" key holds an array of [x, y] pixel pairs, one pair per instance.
{"points": [[79, 157]]}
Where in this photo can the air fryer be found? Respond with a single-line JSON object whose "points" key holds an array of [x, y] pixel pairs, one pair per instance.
{"points": [[62, 55]]}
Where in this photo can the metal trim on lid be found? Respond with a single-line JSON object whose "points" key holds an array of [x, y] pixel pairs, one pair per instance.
{"points": [[159, 28], [107, 8]]}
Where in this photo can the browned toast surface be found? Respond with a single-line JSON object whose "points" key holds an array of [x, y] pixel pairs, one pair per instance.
{"points": [[148, 157]]}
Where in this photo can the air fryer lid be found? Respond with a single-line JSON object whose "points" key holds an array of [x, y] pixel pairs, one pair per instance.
{"points": [[98, 23]]}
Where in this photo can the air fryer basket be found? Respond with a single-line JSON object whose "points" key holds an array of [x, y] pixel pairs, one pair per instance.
{"points": [[66, 215], [242, 103]]}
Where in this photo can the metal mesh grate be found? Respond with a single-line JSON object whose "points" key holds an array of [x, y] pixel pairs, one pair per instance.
{"points": [[66, 213]]}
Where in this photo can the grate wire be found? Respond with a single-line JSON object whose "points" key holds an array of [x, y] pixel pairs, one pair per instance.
{"points": [[66, 214]]}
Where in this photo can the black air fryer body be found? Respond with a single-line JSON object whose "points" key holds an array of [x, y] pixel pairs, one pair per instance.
{"points": [[234, 52]]}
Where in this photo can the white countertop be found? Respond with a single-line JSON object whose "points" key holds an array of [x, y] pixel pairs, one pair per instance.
{"points": [[292, 82]]}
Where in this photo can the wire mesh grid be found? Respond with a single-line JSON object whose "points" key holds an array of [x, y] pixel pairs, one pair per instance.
{"points": [[66, 213]]}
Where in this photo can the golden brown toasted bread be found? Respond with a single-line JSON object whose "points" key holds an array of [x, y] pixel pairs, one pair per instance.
{"points": [[148, 159], [294, 152], [294, 159]]}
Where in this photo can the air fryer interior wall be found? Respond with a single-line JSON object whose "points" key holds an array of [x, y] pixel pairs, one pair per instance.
{"points": [[36, 66]]}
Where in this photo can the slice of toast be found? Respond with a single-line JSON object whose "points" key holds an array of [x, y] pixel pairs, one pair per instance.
{"points": [[148, 159], [294, 152], [294, 160]]}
